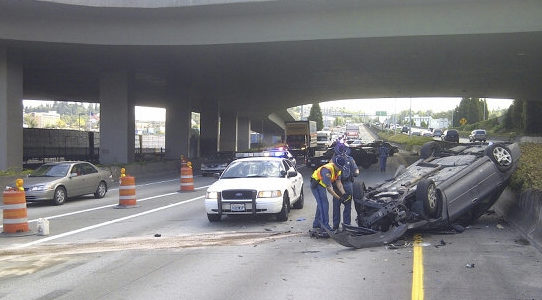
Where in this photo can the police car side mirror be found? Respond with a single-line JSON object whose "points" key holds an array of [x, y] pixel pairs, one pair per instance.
{"points": [[292, 173]]}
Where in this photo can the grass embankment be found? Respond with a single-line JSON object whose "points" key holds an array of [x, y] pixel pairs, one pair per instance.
{"points": [[529, 172], [407, 141]]}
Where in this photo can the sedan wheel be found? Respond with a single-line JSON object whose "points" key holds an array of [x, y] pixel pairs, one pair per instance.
{"points": [[427, 193], [501, 155], [301, 201], [101, 190], [283, 214], [60, 196]]}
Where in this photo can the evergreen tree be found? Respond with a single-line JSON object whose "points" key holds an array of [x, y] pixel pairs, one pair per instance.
{"points": [[316, 115]]}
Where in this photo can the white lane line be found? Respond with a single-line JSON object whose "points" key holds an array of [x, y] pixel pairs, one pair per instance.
{"points": [[106, 206], [151, 183], [65, 234]]}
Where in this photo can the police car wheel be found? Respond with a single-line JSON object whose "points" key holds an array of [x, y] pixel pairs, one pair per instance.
{"points": [[301, 201], [283, 214]]}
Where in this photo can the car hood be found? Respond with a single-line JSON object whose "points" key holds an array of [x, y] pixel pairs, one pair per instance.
{"points": [[248, 184], [30, 181], [216, 161]]}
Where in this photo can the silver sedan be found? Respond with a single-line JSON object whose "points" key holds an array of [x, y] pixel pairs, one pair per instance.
{"points": [[57, 181]]}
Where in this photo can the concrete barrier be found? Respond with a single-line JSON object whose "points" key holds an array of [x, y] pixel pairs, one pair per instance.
{"points": [[524, 212]]}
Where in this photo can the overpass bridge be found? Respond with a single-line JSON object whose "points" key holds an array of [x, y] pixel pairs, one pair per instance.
{"points": [[242, 63]]}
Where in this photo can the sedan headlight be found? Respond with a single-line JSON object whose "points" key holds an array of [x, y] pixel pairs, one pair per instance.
{"points": [[211, 195], [269, 194], [40, 187]]}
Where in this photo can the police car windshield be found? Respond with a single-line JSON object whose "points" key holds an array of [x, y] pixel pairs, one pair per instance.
{"points": [[252, 168]]}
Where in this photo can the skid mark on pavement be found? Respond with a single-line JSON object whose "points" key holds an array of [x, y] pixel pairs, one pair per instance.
{"points": [[18, 262]]}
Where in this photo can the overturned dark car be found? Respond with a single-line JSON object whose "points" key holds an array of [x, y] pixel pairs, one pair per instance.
{"points": [[448, 187]]}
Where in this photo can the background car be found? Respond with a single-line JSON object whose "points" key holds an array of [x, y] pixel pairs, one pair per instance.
{"points": [[437, 132], [450, 135], [256, 185], [478, 135], [59, 181], [216, 163], [427, 133]]}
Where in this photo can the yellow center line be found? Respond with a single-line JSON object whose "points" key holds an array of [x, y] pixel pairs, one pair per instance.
{"points": [[417, 269]]}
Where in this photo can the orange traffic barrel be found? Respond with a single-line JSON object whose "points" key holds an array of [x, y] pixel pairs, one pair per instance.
{"points": [[127, 191], [187, 179], [15, 216]]}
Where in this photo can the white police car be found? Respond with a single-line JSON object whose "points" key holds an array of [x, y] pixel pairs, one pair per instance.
{"points": [[256, 185]]}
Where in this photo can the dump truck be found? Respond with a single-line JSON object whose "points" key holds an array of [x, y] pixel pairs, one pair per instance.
{"points": [[301, 138]]}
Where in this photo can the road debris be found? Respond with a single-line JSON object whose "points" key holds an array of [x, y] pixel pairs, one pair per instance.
{"points": [[469, 266], [442, 243], [500, 226], [157, 235]]}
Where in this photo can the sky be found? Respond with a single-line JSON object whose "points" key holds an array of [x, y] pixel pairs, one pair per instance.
{"points": [[369, 106], [396, 105]]}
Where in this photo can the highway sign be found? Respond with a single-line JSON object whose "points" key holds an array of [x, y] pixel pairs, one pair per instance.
{"points": [[381, 113]]}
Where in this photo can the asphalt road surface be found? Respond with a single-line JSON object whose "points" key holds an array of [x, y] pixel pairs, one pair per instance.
{"points": [[166, 249]]}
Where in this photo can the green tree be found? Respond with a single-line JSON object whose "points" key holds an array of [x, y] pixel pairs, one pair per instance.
{"points": [[30, 121], [316, 115]]}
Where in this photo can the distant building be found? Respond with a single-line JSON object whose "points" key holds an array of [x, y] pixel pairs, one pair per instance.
{"points": [[46, 119], [439, 123]]}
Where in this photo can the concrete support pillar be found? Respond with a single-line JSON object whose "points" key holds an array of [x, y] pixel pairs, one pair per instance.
{"points": [[268, 139], [117, 119], [228, 131], [243, 134], [11, 110], [210, 129], [178, 124]]}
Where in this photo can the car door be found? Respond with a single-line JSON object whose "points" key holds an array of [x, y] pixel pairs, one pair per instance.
{"points": [[294, 186], [91, 178], [74, 184]]}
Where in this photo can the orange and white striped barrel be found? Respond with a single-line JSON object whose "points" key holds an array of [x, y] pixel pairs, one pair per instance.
{"points": [[127, 192], [187, 178], [15, 216]]}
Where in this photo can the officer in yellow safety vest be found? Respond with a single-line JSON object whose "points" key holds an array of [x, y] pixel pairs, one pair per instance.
{"points": [[321, 180]]}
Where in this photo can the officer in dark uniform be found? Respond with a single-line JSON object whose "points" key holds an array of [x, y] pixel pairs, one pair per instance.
{"points": [[348, 173], [321, 181], [383, 153]]}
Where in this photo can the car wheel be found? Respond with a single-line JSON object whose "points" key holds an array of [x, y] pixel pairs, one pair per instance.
{"points": [[283, 214], [429, 149], [427, 193], [60, 196], [301, 201], [500, 155], [101, 190], [214, 217]]}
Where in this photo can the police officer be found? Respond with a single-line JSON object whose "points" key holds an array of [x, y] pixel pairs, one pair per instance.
{"points": [[321, 181], [348, 173], [383, 153]]}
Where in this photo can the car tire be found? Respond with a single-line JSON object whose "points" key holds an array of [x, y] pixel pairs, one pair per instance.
{"points": [[301, 201], [214, 217], [500, 155], [282, 216], [429, 149], [427, 193], [101, 190], [60, 196]]}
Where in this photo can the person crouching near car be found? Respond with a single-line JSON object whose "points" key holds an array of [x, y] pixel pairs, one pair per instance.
{"points": [[321, 181], [348, 173]]}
